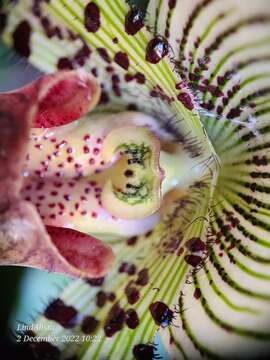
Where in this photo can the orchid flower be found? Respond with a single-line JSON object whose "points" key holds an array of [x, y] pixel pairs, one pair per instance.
{"points": [[140, 164]]}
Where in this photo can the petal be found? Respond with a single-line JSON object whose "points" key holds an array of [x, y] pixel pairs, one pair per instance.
{"points": [[24, 240], [215, 46], [83, 252], [64, 97]]}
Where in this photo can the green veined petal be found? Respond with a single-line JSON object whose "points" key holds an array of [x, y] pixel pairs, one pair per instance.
{"points": [[227, 68]]}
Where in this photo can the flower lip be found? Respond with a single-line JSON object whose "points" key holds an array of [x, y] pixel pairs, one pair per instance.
{"points": [[52, 100]]}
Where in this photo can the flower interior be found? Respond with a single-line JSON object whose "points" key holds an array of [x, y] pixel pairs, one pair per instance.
{"points": [[141, 166]]}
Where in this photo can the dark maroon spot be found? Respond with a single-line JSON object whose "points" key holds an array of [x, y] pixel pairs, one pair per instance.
{"points": [[197, 293], [3, 22], [140, 78], [253, 187], [161, 313], [193, 260], [21, 38], [143, 277], [132, 294], [82, 55], [233, 113], [104, 98], [260, 161], [133, 22], [172, 4], [48, 28], [129, 77], [227, 327], [104, 54], [89, 324], [115, 320], [149, 233], [121, 59], [132, 107], [144, 352], [94, 71], [132, 319], [64, 63], [130, 269], [129, 173], [180, 251], [111, 296], [92, 17], [195, 245], [156, 49], [109, 69], [101, 298], [60, 312], [132, 241], [115, 85], [115, 40], [186, 100], [41, 350]]}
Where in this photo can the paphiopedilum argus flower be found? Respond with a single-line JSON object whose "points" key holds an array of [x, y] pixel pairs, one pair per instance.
{"points": [[140, 165]]}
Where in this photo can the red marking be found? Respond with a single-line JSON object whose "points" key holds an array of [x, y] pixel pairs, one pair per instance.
{"points": [[86, 137], [67, 197], [61, 97], [82, 251], [122, 60]]}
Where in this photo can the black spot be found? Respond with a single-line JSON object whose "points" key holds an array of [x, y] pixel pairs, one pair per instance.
{"points": [[195, 245], [132, 294], [143, 277], [92, 17], [122, 60], [129, 173], [3, 22], [21, 39], [193, 260], [172, 4], [89, 324], [61, 313], [96, 282], [144, 352], [115, 320], [132, 319], [197, 293], [132, 241], [39, 350], [64, 63], [104, 54], [101, 299]]}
